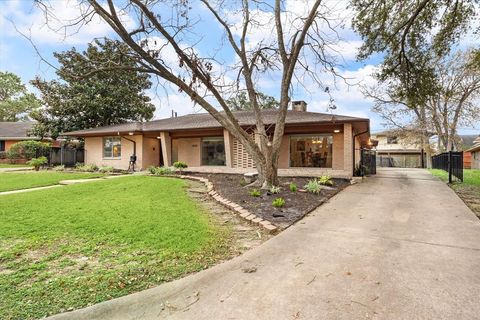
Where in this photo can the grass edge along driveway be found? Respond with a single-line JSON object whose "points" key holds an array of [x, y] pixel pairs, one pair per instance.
{"points": [[67, 248], [468, 190], [10, 181]]}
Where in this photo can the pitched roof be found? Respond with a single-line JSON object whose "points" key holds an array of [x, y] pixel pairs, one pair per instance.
{"points": [[468, 140], [16, 130], [206, 121]]}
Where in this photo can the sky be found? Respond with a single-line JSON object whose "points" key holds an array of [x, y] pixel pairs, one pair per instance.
{"points": [[18, 55]]}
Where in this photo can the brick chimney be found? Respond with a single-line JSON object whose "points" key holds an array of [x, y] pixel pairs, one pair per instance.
{"points": [[299, 105]]}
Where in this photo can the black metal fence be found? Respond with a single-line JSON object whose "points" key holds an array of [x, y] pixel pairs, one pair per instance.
{"points": [[451, 162], [368, 161]]}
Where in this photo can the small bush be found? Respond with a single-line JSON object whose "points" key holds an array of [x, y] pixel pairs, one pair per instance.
{"points": [[313, 186], [180, 164], [92, 167], [278, 202], [325, 180], [152, 169], [293, 187], [161, 171], [106, 169], [255, 193], [37, 162], [59, 168], [275, 189]]}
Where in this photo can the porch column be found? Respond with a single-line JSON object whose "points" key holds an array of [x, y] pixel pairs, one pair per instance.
{"points": [[228, 141], [166, 142], [348, 149]]}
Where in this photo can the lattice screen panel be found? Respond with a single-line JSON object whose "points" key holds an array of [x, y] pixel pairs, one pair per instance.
{"points": [[241, 158]]}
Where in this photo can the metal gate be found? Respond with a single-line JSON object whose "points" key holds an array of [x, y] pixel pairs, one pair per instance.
{"points": [[452, 162], [368, 161]]}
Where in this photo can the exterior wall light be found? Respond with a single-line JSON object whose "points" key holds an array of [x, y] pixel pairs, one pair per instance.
{"points": [[336, 131]]}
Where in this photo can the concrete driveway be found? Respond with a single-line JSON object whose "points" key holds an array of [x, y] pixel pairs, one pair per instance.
{"points": [[400, 246]]}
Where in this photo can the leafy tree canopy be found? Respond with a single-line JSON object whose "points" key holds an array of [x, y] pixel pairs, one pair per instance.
{"points": [[241, 102], [89, 94], [410, 34], [15, 100]]}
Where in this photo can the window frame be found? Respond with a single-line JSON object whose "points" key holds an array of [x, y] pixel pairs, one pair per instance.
{"points": [[307, 135], [215, 138], [3, 145], [103, 148], [392, 138]]}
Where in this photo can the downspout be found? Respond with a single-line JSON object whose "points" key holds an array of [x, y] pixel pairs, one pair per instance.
{"points": [[353, 144]]}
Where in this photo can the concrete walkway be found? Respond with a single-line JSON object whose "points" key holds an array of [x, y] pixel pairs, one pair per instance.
{"points": [[12, 169], [400, 246]]}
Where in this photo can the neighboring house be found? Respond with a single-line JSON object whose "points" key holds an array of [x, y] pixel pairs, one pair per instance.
{"points": [[393, 151], [313, 144], [466, 142], [474, 151], [13, 132]]}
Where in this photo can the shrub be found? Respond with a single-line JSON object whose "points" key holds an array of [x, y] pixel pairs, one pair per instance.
{"points": [[180, 165], [59, 168], [293, 187], [28, 149], [37, 162], [92, 167], [255, 193], [313, 186], [160, 171], [106, 169], [278, 202], [325, 180], [275, 189]]}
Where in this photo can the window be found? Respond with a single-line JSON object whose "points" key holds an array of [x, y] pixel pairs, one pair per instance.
{"points": [[311, 151], [112, 147], [2, 145], [213, 151], [392, 140]]}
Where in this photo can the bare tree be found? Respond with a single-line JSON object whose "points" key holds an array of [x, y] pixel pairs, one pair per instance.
{"points": [[457, 100], [297, 50]]}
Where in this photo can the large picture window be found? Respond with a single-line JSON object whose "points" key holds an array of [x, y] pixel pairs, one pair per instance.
{"points": [[311, 151], [213, 151], [112, 148]]}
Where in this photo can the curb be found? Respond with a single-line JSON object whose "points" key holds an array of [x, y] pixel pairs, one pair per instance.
{"points": [[239, 210]]}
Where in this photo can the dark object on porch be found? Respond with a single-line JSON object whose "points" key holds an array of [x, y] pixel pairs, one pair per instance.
{"points": [[368, 163], [452, 162]]}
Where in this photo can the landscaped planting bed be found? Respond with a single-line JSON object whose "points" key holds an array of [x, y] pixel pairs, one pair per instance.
{"points": [[297, 204], [66, 248]]}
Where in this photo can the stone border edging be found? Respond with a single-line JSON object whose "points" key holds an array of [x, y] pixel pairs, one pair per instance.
{"points": [[239, 210]]}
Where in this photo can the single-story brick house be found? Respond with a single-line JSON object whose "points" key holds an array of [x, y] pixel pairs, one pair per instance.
{"points": [[475, 154], [313, 144], [13, 132]]}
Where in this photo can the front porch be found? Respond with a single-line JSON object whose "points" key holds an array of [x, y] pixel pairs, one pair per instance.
{"points": [[288, 172]]}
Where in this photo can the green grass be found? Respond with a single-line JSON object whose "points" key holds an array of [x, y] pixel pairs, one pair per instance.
{"points": [[469, 190], [23, 180], [67, 248], [470, 176], [9, 165]]}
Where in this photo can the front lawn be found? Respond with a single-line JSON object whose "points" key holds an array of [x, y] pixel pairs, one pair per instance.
{"points": [[9, 165], [469, 190], [23, 180], [67, 248]]}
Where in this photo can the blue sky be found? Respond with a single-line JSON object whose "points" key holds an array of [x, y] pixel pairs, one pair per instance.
{"points": [[17, 55]]}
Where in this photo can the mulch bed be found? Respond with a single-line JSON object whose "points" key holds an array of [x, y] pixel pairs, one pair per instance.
{"points": [[297, 204]]}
